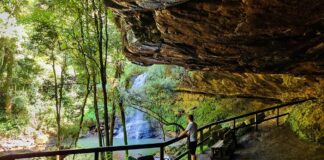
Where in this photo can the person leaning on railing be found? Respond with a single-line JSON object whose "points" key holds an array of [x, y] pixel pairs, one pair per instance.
{"points": [[191, 131]]}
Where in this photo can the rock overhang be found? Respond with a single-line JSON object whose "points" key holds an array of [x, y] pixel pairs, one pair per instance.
{"points": [[256, 36]]}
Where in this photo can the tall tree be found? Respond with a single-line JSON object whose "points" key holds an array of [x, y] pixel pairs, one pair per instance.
{"points": [[82, 48], [117, 99], [98, 19], [7, 60], [46, 40]]}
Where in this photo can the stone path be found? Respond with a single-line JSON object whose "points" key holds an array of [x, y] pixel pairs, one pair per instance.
{"points": [[274, 143], [204, 156], [277, 143]]}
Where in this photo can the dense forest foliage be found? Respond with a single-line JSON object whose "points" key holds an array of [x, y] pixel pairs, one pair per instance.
{"points": [[60, 66], [61, 70]]}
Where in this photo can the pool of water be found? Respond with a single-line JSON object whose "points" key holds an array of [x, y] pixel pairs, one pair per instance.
{"points": [[92, 141]]}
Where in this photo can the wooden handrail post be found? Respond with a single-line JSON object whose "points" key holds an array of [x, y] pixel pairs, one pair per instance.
{"points": [[210, 135], [162, 153], [256, 122], [96, 157], [234, 134], [277, 116], [210, 130], [201, 139]]}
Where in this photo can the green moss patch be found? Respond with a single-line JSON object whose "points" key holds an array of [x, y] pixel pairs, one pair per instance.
{"points": [[307, 121]]}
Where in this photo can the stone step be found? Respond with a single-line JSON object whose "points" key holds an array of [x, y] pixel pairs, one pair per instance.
{"points": [[205, 155]]}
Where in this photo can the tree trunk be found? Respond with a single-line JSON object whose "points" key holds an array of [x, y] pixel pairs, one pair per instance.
{"points": [[123, 119], [82, 110], [61, 90], [95, 105], [57, 107], [81, 47], [103, 73], [8, 82], [56, 101], [112, 121], [161, 125], [112, 124], [116, 95]]}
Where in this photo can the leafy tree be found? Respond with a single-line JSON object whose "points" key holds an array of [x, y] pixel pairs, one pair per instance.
{"points": [[72, 46], [13, 7]]}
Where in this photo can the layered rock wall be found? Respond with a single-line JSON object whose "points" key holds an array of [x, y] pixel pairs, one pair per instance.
{"points": [[260, 36]]}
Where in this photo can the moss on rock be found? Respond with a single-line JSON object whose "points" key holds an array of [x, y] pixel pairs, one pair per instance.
{"points": [[307, 121]]}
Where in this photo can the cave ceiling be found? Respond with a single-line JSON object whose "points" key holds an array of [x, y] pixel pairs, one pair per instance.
{"points": [[241, 36]]}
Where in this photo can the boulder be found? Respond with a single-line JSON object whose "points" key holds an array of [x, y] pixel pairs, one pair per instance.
{"points": [[41, 138]]}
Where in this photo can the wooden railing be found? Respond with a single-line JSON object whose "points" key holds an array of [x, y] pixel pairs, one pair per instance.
{"points": [[162, 145]]}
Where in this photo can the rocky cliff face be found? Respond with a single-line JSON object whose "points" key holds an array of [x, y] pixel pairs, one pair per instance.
{"points": [[259, 36], [270, 87], [245, 48]]}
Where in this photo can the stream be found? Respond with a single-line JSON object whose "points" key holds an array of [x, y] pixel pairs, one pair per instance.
{"points": [[90, 142]]}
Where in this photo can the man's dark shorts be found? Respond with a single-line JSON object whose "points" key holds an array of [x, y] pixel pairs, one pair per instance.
{"points": [[192, 147]]}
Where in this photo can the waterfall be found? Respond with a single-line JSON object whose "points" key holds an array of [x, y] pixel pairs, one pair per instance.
{"points": [[139, 82], [137, 126]]}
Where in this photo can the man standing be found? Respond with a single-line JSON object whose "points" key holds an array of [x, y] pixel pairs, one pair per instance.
{"points": [[191, 131]]}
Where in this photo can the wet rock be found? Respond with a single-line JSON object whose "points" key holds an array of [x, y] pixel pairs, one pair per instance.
{"points": [[18, 144], [41, 139], [29, 131], [29, 139]]}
